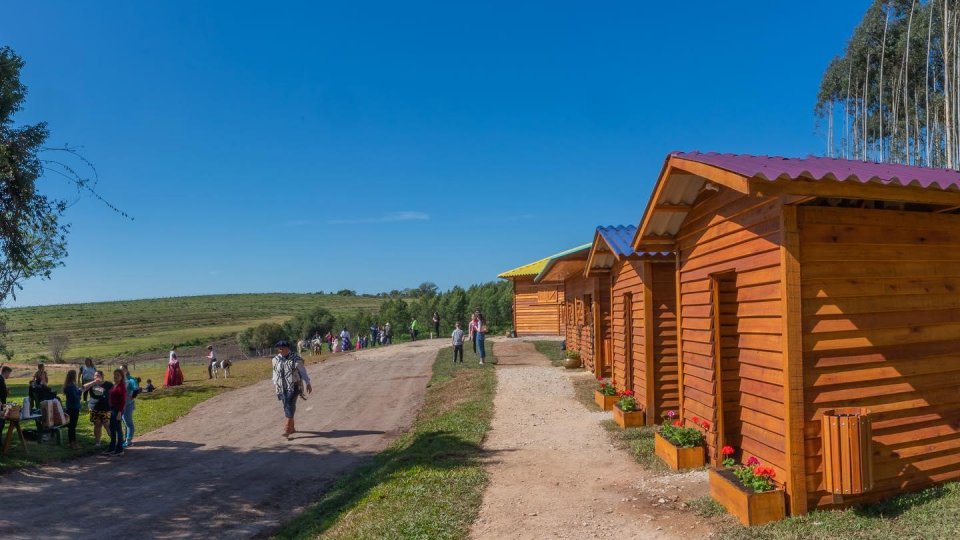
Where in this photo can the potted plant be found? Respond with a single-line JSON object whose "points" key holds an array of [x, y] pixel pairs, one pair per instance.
{"points": [[605, 395], [571, 359], [747, 491], [679, 446], [625, 411]]}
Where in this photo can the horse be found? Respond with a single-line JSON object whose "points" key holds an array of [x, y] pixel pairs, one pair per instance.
{"points": [[301, 345], [221, 366], [317, 346]]}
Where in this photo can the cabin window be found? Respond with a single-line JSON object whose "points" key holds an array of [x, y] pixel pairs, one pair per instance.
{"points": [[547, 296]]}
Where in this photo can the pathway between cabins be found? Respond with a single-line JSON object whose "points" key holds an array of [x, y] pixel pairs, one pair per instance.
{"points": [[555, 474], [224, 471]]}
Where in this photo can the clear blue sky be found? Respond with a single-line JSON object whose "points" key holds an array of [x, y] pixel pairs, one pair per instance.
{"points": [[374, 145]]}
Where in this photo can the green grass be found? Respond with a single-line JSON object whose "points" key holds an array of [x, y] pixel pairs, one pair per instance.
{"points": [[109, 329], [550, 349], [931, 513], [154, 410], [639, 442], [583, 388], [429, 483]]}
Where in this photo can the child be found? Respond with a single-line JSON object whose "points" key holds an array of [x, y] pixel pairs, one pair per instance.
{"points": [[457, 337], [149, 388]]}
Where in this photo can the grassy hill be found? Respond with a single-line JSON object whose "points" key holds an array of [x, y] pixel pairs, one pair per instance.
{"points": [[110, 329]]}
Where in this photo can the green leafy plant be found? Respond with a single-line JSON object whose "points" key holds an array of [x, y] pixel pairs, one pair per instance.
{"points": [[627, 403], [606, 387], [752, 475], [674, 431], [571, 354]]}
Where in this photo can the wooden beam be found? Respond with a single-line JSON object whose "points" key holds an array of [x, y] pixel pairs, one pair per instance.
{"points": [[948, 209], [679, 335], [648, 211], [853, 190], [672, 207], [648, 329], [796, 481], [725, 178]]}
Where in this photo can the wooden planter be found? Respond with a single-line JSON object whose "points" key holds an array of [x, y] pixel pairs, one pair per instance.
{"points": [[604, 402], [750, 508], [628, 419], [678, 458], [847, 438]]}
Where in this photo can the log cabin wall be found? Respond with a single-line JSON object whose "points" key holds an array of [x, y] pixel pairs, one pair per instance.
{"points": [[881, 329], [579, 330], [536, 307], [730, 234], [628, 289], [663, 326]]}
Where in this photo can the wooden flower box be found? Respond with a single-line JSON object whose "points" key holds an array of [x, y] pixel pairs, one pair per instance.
{"points": [[678, 458], [626, 419], [604, 402], [750, 508]]}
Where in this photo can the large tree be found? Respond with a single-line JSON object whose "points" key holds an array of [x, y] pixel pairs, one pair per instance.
{"points": [[32, 238]]}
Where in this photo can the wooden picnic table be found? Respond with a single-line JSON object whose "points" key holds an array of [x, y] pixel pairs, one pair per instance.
{"points": [[15, 425]]}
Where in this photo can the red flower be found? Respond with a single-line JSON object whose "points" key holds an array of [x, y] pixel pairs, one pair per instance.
{"points": [[627, 393], [751, 461], [727, 450], [696, 419], [705, 425], [678, 423]]}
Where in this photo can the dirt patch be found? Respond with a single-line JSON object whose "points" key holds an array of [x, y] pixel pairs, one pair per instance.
{"points": [[555, 474]]}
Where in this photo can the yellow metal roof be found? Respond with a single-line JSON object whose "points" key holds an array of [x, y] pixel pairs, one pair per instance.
{"points": [[536, 267]]}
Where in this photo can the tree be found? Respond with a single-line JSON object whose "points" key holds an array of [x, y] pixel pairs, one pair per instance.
{"points": [[58, 347], [32, 239]]}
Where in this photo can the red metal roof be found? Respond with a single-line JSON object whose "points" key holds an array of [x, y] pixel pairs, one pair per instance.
{"points": [[821, 168]]}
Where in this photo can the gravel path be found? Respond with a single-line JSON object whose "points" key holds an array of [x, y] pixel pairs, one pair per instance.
{"points": [[554, 472], [224, 471]]}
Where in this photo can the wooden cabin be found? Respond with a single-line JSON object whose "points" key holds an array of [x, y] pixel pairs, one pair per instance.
{"points": [[537, 306], [643, 326], [586, 312], [811, 284]]}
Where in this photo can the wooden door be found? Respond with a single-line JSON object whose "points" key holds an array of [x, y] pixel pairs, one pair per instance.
{"points": [[728, 420], [628, 340]]}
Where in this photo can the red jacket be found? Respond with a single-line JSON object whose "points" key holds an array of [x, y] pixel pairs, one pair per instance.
{"points": [[118, 397]]}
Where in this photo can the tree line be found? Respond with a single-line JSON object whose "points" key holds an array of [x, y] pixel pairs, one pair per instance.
{"points": [[894, 94], [493, 299]]}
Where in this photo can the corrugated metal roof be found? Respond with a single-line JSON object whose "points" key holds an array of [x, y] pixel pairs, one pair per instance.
{"points": [[618, 238], [570, 253], [822, 168], [537, 267]]}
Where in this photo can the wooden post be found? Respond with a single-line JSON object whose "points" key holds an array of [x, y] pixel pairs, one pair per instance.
{"points": [[718, 426], [796, 485], [679, 310], [650, 357]]}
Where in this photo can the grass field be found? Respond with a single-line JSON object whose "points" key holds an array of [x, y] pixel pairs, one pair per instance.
{"points": [[429, 483], [153, 410], [111, 329], [550, 349]]}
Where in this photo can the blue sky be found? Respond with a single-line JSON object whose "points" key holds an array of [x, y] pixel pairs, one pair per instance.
{"points": [[374, 145]]}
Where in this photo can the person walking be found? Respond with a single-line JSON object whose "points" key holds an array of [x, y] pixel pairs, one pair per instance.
{"points": [[388, 334], [373, 335], [133, 389], [480, 334], [99, 404], [436, 323], [413, 330], [289, 377], [117, 399], [472, 329], [88, 372], [73, 393], [211, 360], [174, 375], [457, 343]]}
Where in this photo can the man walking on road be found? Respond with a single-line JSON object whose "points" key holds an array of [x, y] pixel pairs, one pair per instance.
{"points": [[457, 343], [289, 377]]}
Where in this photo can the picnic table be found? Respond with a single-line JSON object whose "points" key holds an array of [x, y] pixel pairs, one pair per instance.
{"points": [[14, 425]]}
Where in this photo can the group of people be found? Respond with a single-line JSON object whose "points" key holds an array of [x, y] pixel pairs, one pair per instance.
{"points": [[111, 404], [476, 334]]}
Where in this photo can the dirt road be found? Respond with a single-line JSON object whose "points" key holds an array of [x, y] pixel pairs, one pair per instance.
{"points": [[553, 470], [224, 471]]}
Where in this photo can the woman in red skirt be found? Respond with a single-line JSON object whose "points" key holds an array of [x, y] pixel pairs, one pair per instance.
{"points": [[174, 374]]}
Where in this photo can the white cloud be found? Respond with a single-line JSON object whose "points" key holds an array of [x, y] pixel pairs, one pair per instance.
{"points": [[386, 218]]}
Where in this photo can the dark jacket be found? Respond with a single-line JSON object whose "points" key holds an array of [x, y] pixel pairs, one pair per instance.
{"points": [[3, 390]]}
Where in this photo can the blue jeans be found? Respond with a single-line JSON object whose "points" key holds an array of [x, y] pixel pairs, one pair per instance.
{"points": [[128, 418], [480, 348], [289, 399], [116, 433]]}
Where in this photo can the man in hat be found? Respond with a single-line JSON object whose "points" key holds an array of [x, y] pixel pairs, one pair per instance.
{"points": [[289, 377]]}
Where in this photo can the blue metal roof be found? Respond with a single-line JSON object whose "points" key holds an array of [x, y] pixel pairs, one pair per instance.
{"points": [[619, 238]]}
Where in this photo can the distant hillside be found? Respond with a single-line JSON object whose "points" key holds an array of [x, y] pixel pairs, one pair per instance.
{"points": [[109, 329]]}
